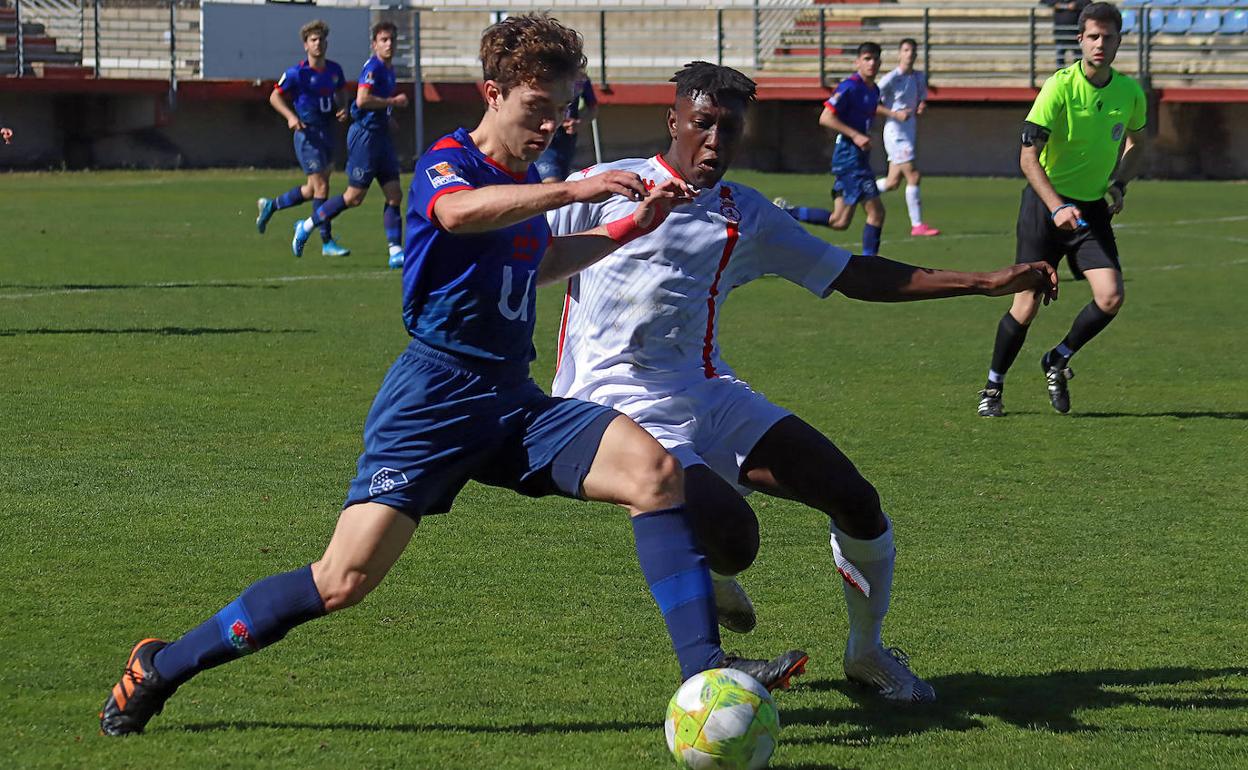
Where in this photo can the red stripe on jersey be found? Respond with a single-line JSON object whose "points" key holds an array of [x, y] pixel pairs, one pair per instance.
{"points": [[446, 143], [670, 170], [563, 325], [519, 176], [454, 188], [708, 342]]}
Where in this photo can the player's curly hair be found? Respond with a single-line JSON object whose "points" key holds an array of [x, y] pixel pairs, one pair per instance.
{"points": [[314, 27], [530, 48], [714, 80]]}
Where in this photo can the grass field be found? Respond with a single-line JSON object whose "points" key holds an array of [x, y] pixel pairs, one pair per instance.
{"points": [[181, 404]]}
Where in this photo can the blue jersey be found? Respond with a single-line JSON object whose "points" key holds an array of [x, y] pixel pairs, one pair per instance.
{"points": [[378, 79], [854, 102], [470, 295], [313, 91]]}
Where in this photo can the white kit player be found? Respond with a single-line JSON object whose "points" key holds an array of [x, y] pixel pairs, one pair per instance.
{"points": [[904, 92], [639, 333]]}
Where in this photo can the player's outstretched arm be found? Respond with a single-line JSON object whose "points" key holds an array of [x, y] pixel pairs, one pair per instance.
{"points": [[877, 279], [498, 206], [570, 254]]}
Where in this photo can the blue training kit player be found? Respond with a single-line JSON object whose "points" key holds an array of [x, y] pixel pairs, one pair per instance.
{"points": [[556, 161], [854, 102]]}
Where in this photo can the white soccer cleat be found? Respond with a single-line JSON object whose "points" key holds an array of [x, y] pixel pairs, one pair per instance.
{"points": [[736, 611], [888, 672]]}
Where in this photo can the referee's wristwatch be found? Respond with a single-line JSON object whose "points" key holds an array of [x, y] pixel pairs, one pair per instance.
{"points": [[1122, 187]]}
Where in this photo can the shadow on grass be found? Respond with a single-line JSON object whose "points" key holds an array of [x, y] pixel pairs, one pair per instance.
{"points": [[160, 331], [1050, 702], [1181, 415], [430, 727]]}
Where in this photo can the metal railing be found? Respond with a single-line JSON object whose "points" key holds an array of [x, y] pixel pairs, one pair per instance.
{"points": [[797, 42]]}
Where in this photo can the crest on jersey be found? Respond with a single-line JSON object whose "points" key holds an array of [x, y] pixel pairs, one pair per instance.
{"points": [[727, 206], [1117, 131], [386, 480], [442, 174]]}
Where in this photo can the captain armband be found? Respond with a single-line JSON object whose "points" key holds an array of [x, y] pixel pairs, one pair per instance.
{"points": [[1033, 134]]}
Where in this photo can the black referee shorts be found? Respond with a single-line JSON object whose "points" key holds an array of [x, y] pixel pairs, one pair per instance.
{"points": [[1087, 248]]}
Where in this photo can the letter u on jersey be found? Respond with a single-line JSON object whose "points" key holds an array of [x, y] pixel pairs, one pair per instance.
{"points": [[521, 311]]}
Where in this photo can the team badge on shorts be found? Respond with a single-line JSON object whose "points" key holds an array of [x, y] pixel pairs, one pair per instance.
{"points": [[442, 174], [386, 480]]}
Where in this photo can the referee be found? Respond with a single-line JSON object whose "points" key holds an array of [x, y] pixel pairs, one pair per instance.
{"points": [[1071, 140]]}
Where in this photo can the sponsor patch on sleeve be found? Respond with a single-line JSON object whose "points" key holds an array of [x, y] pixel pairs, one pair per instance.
{"points": [[442, 174]]}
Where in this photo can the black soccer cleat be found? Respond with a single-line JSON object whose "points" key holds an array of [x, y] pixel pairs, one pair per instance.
{"points": [[773, 674], [1055, 378], [139, 695], [990, 403]]}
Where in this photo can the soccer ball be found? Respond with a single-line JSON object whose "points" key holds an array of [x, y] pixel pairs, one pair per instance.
{"points": [[722, 719]]}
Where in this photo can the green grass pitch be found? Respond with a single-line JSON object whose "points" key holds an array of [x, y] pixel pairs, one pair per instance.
{"points": [[180, 409]]}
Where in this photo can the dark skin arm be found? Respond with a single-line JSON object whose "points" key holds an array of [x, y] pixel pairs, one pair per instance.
{"points": [[877, 279]]}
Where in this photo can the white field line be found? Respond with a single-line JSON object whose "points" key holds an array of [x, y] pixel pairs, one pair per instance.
{"points": [[196, 284]]}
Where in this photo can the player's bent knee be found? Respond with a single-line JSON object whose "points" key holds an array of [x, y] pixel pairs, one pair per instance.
{"points": [[657, 482], [344, 590], [1110, 303]]}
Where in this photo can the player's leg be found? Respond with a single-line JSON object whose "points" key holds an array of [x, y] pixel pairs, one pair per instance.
{"points": [[914, 203], [309, 161], [795, 461], [725, 526], [890, 181], [873, 228], [842, 213], [367, 540], [392, 219]]}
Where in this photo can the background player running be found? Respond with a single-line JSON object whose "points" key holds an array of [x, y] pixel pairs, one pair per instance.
{"points": [[556, 163], [848, 112], [370, 151], [458, 404], [1082, 117], [903, 92], [640, 334], [315, 88]]}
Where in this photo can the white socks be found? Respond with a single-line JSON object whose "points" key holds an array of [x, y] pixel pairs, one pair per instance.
{"points": [[913, 205], [881, 184], [866, 569]]}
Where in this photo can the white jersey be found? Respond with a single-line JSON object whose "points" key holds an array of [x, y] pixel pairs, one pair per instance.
{"points": [[649, 312], [903, 91]]}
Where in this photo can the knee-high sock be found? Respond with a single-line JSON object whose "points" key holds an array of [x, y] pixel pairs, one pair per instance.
{"points": [[1010, 338], [1090, 322], [327, 211], [866, 569], [913, 205], [327, 233], [260, 616], [292, 197], [871, 239], [393, 224], [809, 214], [676, 571]]}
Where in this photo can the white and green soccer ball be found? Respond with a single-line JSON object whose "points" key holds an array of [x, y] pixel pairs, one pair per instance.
{"points": [[722, 719]]}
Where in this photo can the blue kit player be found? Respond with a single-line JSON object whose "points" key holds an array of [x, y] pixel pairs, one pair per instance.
{"points": [[314, 87], [459, 405], [370, 151], [556, 163], [849, 112]]}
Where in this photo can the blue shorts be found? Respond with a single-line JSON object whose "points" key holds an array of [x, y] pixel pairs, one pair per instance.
{"points": [[370, 155], [439, 421], [314, 148], [556, 161], [855, 184]]}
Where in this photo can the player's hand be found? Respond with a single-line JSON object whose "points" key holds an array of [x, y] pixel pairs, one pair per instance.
{"points": [[921, 108], [1039, 277], [863, 141], [902, 115], [659, 203], [398, 100], [599, 187], [1068, 218], [569, 126], [1115, 200], [294, 123], [343, 115]]}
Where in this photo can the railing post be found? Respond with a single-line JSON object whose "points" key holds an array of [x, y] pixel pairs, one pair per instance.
{"points": [[927, 42], [1143, 49], [97, 38], [21, 40], [602, 50], [823, 39], [758, 22], [173, 51], [418, 84], [1031, 47], [719, 37]]}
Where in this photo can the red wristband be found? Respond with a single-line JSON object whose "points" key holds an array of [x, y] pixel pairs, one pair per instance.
{"points": [[626, 229]]}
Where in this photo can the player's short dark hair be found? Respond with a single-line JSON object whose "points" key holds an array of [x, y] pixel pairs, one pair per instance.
{"points": [[913, 43], [530, 48], [384, 26], [314, 27], [868, 47], [1105, 13], [714, 80]]}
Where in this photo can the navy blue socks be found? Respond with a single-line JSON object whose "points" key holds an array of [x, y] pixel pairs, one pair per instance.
{"points": [[810, 214], [260, 616], [292, 197], [680, 582], [393, 223], [331, 208], [871, 239], [327, 233]]}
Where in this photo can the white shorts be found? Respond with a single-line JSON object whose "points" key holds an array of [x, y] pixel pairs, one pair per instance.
{"points": [[715, 422], [899, 141]]}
